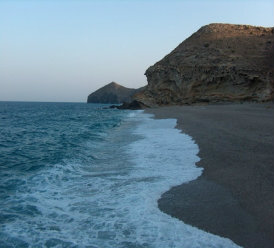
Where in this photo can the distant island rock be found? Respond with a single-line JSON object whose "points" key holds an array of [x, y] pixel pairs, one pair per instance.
{"points": [[220, 62], [112, 93]]}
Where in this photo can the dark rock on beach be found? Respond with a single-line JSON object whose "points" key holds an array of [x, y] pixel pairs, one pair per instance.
{"points": [[134, 105]]}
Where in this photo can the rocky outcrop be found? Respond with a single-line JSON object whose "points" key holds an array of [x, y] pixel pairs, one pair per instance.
{"points": [[112, 93], [220, 62], [134, 105]]}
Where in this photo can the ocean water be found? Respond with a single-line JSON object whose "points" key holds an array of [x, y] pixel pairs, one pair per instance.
{"points": [[80, 175]]}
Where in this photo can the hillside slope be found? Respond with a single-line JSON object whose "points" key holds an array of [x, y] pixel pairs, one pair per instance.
{"points": [[220, 62], [112, 93]]}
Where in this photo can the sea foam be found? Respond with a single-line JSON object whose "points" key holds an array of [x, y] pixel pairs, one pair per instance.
{"points": [[164, 157], [104, 191]]}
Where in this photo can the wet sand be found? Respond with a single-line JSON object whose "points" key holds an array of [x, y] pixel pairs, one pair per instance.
{"points": [[234, 197]]}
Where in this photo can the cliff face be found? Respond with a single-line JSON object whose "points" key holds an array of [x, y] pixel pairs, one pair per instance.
{"points": [[112, 93], [220, 62]]}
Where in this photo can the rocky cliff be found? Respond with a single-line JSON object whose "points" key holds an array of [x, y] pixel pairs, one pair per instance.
{"points": [[220, 62], [112, 93]]}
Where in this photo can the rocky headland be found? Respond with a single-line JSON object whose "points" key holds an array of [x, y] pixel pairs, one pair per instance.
{"points": [[112, 93], [218, 63]]}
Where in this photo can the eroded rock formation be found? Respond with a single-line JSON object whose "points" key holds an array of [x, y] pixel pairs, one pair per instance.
{"points": [[220, 62]]}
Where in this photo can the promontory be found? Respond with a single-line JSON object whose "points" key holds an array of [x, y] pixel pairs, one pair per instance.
{"points": [[218, 63], [112, 93]]}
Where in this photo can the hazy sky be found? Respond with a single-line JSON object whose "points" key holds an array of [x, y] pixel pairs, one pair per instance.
{"points": [[63, 50]]}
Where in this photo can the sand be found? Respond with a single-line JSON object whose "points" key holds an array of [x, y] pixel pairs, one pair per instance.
{"points": [[234, 197]]}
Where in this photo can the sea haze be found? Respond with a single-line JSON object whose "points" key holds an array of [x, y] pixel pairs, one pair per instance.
{"points": [[80, 175]]}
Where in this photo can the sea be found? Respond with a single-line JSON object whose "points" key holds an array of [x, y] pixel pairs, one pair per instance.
{"points": [[84, 175]]}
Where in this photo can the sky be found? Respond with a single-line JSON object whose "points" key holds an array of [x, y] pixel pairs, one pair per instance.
{"points": [[62, 50]]}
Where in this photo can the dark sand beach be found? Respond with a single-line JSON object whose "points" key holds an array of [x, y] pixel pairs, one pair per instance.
{"points": [[234, 197]]}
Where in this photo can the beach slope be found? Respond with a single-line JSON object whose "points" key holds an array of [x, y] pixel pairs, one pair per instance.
{"points": [[234, 197]]}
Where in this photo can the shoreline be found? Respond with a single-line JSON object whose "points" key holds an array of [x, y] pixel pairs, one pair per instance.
{"points": [[234, 197]]}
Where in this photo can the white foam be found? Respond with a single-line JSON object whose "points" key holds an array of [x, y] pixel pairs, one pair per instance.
{"points": [[113, 203], [133, 114], [166, 157]]}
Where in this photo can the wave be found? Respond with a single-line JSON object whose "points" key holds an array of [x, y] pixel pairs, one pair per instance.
{"points": [[164, 157], [103, 192]]}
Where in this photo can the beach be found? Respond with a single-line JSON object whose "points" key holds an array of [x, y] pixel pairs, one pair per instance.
{"points": [[234, 196]]}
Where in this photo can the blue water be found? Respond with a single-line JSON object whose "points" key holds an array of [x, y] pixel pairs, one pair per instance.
{"points": [[80, 175]]}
